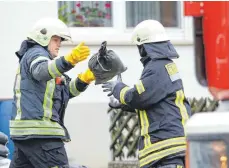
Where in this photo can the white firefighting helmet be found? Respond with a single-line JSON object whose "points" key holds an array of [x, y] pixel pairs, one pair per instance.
{"points": [[149, 31], [45, 28]]}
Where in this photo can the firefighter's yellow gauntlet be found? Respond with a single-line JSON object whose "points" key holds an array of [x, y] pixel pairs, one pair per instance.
{"points": [[79, 53], [87, 76]]}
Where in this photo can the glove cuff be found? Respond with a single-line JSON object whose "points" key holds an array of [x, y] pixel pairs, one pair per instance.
{"points": [[87, 76], [69, 59]]}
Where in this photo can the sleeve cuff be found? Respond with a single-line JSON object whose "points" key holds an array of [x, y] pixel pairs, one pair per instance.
{"points": [[63, 65], [118, 89], [80, 85]]}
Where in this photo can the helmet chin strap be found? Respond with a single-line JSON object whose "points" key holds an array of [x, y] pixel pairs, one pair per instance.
{"points": [[142, 50]]}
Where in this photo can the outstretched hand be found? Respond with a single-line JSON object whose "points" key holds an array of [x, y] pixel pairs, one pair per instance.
{"points": [[109, 86]]}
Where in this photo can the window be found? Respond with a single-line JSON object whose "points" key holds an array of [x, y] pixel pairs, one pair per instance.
{"points": [[114, 20], [164, 11], [86, 13]]}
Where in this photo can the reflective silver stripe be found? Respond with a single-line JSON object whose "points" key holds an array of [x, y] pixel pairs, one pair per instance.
{"points": [[175, 77], [18, 93], [41, 58], [53, 71], [162, 144], [48, 102], [140, 87], [72, 85], [123, 93], [34, 124], [172, 71], [36, 131], [161, 154]]}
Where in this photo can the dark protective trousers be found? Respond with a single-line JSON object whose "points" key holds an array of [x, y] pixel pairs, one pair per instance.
{"points": [[177, 162], [39, 153], [171, 166]]}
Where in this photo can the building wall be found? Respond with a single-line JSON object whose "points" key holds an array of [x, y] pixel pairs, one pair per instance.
{"points": [[86, 116]]}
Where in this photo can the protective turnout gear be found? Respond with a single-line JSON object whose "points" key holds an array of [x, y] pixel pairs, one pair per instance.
{"points": [[24, 47], [162, 50], [105, 65], [39, 102], [87, 76], [161, 106], [109, 86], [172, 166], [78, 54], [149, 31], [45, 28], [39, 153]]}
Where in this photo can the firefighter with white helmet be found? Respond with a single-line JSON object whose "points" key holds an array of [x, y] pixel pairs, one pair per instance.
{"points": [[149, 31], [41, 94], [46, 28], [158, 98]]}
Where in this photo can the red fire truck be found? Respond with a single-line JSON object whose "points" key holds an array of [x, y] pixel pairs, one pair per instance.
{"points": [[208, 133]]}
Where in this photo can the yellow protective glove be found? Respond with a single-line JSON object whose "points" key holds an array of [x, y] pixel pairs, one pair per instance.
{"points": [[87, 76], [79, 53]]}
